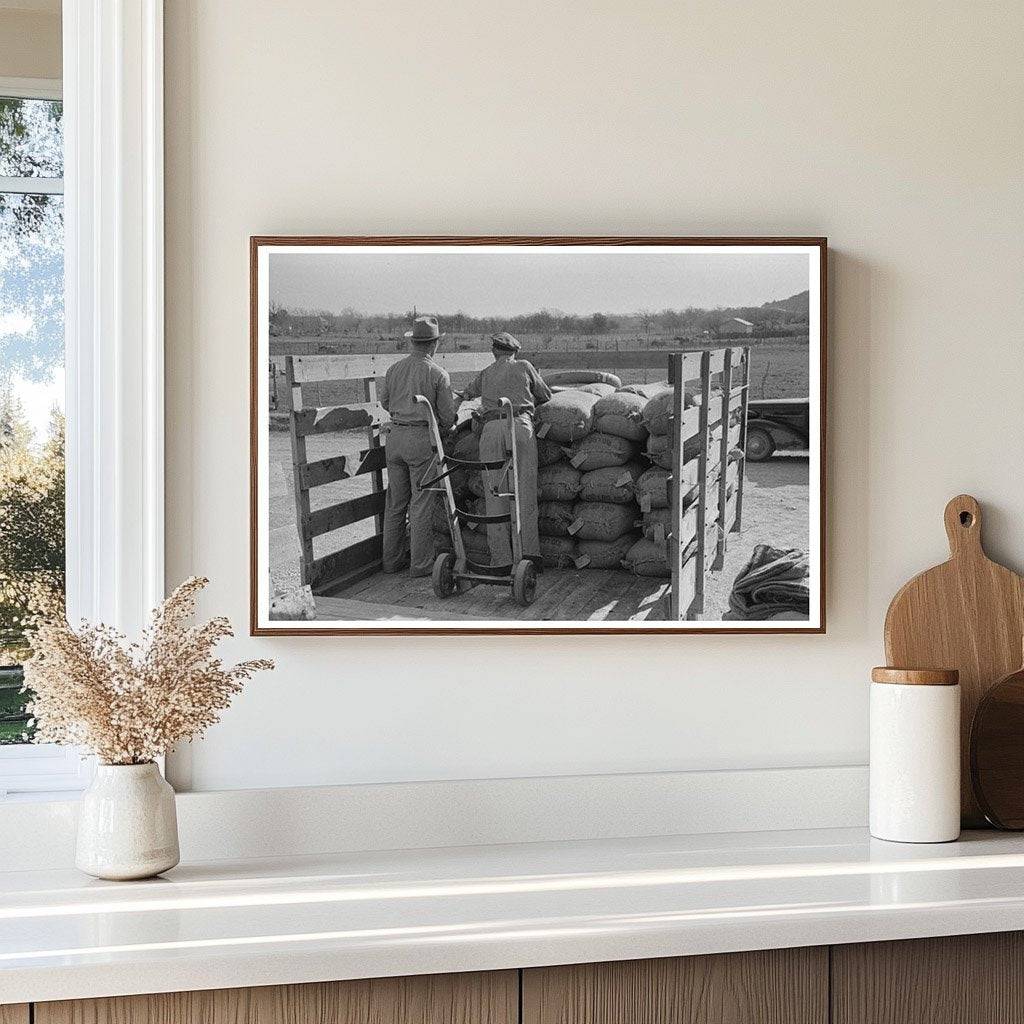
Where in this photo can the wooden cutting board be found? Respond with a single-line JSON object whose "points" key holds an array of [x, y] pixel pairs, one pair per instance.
{"points": [[967, 614]]}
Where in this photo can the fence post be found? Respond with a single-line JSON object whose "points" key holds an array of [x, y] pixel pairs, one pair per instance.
{"points": [[679, 603], [299, 460], [742, 474], [723, 460]]}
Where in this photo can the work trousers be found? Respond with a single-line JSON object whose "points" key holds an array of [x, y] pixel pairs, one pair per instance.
{"points": [[409, 459]]}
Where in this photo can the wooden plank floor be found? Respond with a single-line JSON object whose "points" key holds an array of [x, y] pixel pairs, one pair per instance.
{"points": [[563, 595]]}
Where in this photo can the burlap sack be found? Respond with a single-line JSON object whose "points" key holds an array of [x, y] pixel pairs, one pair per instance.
{"points": [[652, 489], [622, 414], [648, 558], [612, 483], [602, 520], [559, 482], [595, 451], [657, 413], [558, 552], [566, 418], [657, 524], [549, 452], [606, 554], [464, 445], [475, 483], [646, 391], [554, 518], [581, 377], [601, 390]]}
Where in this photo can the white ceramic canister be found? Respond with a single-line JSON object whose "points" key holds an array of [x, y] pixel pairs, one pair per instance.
{"points": [[915, 755], [127, 825]]}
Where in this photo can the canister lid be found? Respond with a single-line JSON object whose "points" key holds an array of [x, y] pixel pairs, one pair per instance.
{"points": [[916, 676]]}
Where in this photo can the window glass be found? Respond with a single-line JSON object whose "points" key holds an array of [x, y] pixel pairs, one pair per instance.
{"points": [[31, 387], [31, 138]]}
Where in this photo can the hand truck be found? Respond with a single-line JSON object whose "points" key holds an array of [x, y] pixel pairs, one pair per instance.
{"points": [[453, 570]]}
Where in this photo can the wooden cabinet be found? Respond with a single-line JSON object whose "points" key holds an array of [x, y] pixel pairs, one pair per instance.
{"points": [[777, 986], [963, 979], [971, 979], [483, 998]]}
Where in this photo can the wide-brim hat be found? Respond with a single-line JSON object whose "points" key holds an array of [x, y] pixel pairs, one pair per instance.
{"points": [[506, 341], [424, 328]]}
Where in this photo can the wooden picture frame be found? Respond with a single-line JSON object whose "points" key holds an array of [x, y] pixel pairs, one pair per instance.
{"points": [[707, 366]]}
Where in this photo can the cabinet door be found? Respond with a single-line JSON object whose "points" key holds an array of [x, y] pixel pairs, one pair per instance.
{"points": [[962, 979], [482, 998], [778, 986], [14, 1013]]}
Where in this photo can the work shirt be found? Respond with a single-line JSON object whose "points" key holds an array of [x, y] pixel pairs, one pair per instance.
{"points": [[417, 374], [514, 379]]}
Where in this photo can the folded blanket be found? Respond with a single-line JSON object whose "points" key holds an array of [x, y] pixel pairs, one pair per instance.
{"points": [[773, 581]]}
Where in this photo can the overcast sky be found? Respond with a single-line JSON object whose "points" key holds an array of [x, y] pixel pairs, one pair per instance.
{"points": [[504, 284]]}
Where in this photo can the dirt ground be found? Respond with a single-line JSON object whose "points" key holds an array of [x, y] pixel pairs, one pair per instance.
{"points": [[775, 507], [775, 511]]}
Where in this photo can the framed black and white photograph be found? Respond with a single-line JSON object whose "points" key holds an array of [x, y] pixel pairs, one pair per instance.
{"points": [[537, 435]]}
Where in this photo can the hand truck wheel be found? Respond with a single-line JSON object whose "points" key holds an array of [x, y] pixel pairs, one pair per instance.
{"points": [[524, 583], [443, 575]]}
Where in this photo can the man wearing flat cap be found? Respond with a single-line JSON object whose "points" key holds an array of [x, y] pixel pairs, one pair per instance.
{"points": [[407, 448], [519, 382]]}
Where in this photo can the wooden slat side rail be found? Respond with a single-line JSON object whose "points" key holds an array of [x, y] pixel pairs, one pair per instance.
{"points": [[742, 443], [299, 460], [328, 419], [723, 460], [339, 568], [309, 369], [344, 513], [961, 979], [341, 467], [679, 602], [777, 986], [478, 998], [704, 441]]}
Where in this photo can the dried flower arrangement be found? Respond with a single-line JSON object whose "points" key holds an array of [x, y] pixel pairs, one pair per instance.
{"points": [[129, 703]]}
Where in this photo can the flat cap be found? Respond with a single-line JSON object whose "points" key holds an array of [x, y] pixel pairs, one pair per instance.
{"points": [[506, 341]]}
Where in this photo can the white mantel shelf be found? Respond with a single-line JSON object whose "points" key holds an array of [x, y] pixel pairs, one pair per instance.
{"points": [[264, 922]]}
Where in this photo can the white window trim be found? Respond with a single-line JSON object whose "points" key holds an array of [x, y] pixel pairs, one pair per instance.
{"points": [[114, 323], [114, 308]]}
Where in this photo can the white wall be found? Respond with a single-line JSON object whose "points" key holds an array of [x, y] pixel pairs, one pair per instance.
{"points": [[895, 129]]}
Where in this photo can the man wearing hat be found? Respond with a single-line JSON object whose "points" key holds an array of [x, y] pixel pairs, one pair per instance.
{"points": [[518, 381], [407, 447]]}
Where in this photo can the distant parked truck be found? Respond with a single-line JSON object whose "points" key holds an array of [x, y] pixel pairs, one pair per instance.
{"points": [[776, 424]]}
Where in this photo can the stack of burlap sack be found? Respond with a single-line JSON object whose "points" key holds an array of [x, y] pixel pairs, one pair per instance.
{"points": [[604, 458], [591, 437]]}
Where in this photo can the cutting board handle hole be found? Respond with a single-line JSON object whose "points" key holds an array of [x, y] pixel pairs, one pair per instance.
{"points": [[966, 519]]}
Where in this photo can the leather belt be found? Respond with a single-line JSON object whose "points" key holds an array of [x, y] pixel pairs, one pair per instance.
{"points": [[497, 414]]}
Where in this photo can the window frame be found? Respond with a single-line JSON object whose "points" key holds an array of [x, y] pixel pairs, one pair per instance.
{"points": [[112, 90]]}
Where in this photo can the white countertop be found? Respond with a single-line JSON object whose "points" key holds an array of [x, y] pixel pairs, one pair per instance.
{"points": [[262, 922]]}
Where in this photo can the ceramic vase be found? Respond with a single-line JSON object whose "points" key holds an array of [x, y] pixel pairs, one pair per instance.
{"points": [[127, 825]]}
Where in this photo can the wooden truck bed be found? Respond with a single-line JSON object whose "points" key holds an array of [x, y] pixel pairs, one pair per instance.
{"points": [[602, 595]]}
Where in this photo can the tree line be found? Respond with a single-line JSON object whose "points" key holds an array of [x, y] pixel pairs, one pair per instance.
{"points": [[691, 322]]}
